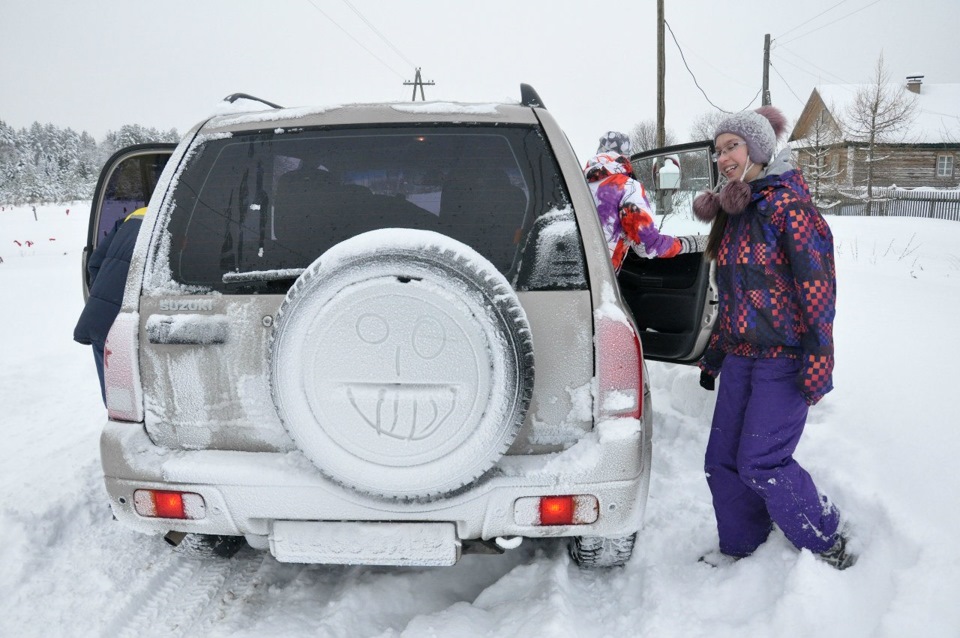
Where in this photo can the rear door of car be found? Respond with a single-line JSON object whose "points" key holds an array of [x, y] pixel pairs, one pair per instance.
{"points": [[126, 183], [673, 300]]}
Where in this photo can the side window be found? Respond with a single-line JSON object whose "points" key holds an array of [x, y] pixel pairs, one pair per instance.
{"points": [[944, 165], [553, 256], [128, 188]]}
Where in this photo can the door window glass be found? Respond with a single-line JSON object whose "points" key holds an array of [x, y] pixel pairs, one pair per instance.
{"points": [[129, 187]]}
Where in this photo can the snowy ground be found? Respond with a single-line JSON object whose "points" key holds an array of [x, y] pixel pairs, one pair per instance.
{"points": [[883, 445]]}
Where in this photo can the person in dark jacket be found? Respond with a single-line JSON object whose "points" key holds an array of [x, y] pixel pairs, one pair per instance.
{"points": [[108, 267], [772, 342]]}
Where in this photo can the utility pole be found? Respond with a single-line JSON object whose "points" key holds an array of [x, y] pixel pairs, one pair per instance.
{"points": [[661, 72], [765, 100], [418, 81]]}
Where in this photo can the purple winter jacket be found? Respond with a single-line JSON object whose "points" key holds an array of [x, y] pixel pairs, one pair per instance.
{"points": [[776, 280]]}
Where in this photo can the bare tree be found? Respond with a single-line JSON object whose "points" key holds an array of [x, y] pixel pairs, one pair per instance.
{"points": [[643, 136], [705, 125], [878, 114], [817, 158]]}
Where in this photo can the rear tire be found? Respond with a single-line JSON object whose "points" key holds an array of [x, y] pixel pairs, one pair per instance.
{"points": [[590, 552]]}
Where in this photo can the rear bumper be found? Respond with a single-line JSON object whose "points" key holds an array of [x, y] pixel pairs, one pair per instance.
{"points": [[245, 493]]}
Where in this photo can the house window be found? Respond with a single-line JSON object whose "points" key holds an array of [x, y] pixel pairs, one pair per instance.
{"points": [[944, 165]]}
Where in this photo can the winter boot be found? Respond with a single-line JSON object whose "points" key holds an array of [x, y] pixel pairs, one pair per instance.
{"points": [[838, 556]]}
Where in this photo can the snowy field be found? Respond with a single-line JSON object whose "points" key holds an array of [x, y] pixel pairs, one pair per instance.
{"points": [[883, 445]]}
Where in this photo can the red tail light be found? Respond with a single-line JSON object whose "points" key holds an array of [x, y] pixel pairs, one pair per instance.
{"points": [[121, 369], [165, 504], [578, 509], [619, 369], [556, 510], [169, 504]]}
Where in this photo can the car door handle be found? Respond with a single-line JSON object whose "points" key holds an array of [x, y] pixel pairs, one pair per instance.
{"points": [[187, 329]]}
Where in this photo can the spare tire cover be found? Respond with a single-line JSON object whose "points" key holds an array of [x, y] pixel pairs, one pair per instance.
{"points": [[402, 364]]}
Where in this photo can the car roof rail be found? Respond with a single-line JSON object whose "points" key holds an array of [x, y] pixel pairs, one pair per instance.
{"points": [[529, 97], [233, 97]]}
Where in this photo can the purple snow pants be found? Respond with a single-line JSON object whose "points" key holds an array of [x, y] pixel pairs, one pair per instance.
{"points": [[751, 472]]}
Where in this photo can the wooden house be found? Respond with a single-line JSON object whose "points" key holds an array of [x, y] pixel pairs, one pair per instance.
{"points": [[925, 154]]}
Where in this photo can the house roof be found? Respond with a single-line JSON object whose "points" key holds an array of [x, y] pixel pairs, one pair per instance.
{"points": [[937, 119]]}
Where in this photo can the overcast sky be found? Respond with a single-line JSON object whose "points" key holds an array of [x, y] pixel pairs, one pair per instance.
{"points": [[95, 65]]}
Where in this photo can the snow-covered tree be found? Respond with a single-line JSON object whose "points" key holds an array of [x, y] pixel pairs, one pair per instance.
{"points": [[817, 158], [45, 163], [643, 136], [880, 113], [130, 134], [704, 126]]}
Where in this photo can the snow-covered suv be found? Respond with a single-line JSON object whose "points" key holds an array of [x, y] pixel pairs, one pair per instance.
{"points": [[383, 334]]}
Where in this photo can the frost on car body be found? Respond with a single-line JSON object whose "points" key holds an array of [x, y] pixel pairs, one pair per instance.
{"points": [[398, 315]]}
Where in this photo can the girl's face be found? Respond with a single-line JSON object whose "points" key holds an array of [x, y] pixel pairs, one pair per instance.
{"points": [[732, 158]]}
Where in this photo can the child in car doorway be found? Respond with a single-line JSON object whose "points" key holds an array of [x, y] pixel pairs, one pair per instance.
{"points": [[624, 210]]}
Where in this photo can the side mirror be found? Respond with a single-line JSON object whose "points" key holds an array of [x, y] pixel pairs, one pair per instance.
{"points": [[669, 175], [673, 177]]}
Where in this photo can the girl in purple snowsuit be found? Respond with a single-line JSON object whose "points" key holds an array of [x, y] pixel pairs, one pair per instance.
{"points": [[773, 341]]}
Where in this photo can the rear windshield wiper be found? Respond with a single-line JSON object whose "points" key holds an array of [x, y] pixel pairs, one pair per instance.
{"points": [[252, 276]]}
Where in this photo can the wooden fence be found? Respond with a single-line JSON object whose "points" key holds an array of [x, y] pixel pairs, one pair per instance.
{"points": [[900, 202]]}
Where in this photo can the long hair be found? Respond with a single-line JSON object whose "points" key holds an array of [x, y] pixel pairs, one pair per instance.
{"points": [[717, 227]]}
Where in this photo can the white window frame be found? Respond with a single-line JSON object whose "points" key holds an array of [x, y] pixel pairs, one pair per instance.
{"points": [[944, 165]]}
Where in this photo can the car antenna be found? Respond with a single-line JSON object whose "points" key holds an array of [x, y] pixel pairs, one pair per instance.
{"points": [[233, 97], [529, 97]]}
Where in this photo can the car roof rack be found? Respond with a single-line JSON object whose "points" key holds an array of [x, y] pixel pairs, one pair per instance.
{"points": [[233, 97], [529, 97]]}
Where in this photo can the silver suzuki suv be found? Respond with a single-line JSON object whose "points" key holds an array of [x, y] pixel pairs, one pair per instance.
{"points": [[383, 334]]}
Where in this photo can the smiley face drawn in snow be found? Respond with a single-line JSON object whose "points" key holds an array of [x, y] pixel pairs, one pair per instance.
{"points": [[398, 409]]}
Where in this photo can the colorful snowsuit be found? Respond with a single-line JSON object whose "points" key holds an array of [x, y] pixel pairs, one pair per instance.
{"points": [[108, 267], [777, 284], [625, 212], [773, 342]]}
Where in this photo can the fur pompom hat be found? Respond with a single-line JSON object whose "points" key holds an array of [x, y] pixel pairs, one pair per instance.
{"points": [[760, 129]]}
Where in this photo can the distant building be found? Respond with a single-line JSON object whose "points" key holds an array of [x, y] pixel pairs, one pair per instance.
{"points": [[925, 154]]}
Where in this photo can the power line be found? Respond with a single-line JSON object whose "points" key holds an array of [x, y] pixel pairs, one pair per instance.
{"points": [[719, 70], [834, 22], [360, 44], [812, 19], [788, 84], [800, 68], [377, 31], [800, 57], [683, 57]]}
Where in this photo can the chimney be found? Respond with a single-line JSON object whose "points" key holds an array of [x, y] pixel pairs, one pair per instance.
{"points": [[914, 82]]}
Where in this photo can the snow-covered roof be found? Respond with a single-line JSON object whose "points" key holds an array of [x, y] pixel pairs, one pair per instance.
{"points": [[937, 117]]}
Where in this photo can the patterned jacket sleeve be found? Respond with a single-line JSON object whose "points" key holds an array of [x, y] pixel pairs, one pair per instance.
{"points": [[713, 356], [636, 217], [809, 246]]}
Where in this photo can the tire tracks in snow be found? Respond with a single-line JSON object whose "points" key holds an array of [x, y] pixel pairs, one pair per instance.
{"points": [[186, 597]]}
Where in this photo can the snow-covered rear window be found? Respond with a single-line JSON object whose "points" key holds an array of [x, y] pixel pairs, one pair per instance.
{"points": [[276, 200]]}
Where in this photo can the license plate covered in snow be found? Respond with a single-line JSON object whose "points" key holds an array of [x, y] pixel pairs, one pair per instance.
{"points": [[365, 543]]}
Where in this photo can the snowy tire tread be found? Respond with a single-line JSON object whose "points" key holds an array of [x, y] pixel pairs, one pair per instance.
{"points": [[595, 551]]}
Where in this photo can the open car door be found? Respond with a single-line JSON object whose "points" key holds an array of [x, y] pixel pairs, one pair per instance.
{"points": [[125, 184], [674, 301]]}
